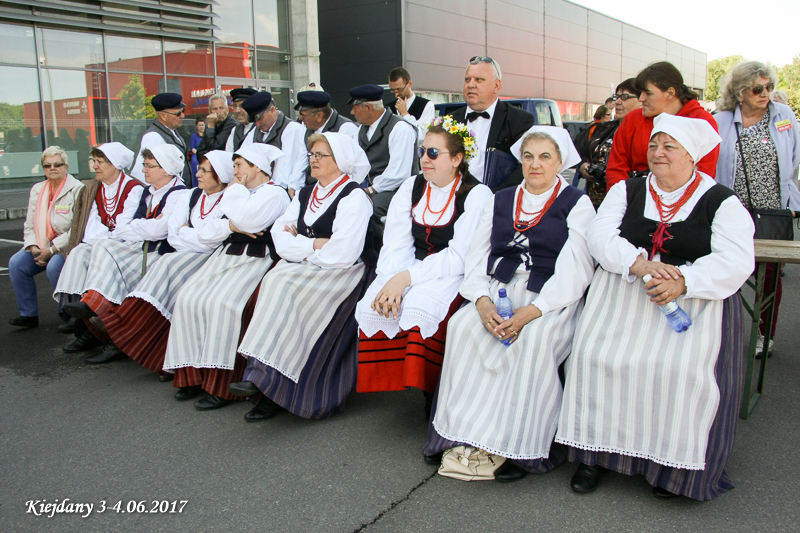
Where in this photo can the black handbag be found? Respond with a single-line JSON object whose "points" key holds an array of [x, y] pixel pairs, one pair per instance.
{"points": [[771, 224], [498, 167]]}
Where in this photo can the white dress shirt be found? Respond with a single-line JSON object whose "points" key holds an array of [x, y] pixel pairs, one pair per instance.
{"points": [[186, 239], [289, 171], [248, 139], [574, 265], [95, 229], [480, 127], [402, 143], [712, 277], [348, 128], [153, 229], [349, 229], [250, 210], [149, 140], [425, 118]]}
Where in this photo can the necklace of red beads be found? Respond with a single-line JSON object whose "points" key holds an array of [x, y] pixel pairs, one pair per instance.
{"points": [[537, 215], [203, 213], [316, 201], [667, 212], [427, 208]]}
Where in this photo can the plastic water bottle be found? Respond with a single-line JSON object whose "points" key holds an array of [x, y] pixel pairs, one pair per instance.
{"points": [[676, 316], [505, 309]]}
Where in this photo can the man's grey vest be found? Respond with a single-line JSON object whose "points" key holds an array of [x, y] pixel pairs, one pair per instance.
{"points": [[169, 138], [274, 135], [335, 122], [377, 148], [239, 133]]}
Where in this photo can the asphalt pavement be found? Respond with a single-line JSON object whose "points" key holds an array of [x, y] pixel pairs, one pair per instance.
{"points": [[114, 433]]}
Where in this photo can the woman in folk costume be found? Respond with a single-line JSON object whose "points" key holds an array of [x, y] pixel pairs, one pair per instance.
{"points": [[639, 397], [211, 306], [530, 241], [139, 327], [104, 205], [118, 264], [403, 316], [301, 345]]}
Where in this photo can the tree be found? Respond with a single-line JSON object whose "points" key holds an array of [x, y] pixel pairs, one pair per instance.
{"points": [[716, 69], [134, 102], [789, 81]]}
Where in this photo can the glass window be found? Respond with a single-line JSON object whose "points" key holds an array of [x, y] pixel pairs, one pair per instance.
{"points": [[70, 49], [20, 126], [281, 97], [234, 19], [133, 54], [234, 63], [197, 105], [131, 112], [271, 23], [76, 114], [273, 65], [187, 58], [16, 45]]}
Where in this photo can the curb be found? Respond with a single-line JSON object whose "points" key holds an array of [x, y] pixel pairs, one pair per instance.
{"points": [[13, 213]]}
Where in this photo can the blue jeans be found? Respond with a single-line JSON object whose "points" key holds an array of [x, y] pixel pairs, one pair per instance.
{"points": [[21, 269]]}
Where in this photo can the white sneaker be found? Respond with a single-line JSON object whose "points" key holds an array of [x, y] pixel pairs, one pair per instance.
{"points": [[760, 345]]}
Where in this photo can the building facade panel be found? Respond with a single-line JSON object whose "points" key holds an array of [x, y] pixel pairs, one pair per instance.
{"points": [[518, 63], [558, 50], [564, 90], [557, 70], [566, 11], [604, 60], [603, 24], [506, 38], [569, 31], [426, 20], [604, 42], [514, 16]]}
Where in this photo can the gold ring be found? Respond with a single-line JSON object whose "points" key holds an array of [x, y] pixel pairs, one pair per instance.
{"points": [[489, 324], [513, 331]]}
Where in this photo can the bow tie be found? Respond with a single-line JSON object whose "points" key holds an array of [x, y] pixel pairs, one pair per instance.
{"points": [[473, 115]]}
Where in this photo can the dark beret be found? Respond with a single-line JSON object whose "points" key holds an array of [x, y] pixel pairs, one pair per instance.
{"points": [[242, 94], [257, 103], [164, 101], [365, 93], [312, 99]]}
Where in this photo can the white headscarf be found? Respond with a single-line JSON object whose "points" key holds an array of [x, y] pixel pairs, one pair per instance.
{"points": [[350, 157], [569, 154], [169, 157], [261, 155], [222, 163], [118, 154], [696, 135]]}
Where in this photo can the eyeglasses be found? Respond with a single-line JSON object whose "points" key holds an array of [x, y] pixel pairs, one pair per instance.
{"points": [[318, 155], [48, 166], [308, 114], [624, 97], [145, 165], [179, 113], [758, 89], [433, 153], [202, 170], [474, 60], [399, 90]]}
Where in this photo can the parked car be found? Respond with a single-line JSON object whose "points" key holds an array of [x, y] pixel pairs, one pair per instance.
{"points": [[545, 111], [575, 126]]}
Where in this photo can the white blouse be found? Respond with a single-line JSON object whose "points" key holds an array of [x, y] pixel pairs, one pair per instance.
{"points": [[186, 239], [398, 252], [250, 210], [712, 277], [153, 229], [349, 229], [574, 265]]}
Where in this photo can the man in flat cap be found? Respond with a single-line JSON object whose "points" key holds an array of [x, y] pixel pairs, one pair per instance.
{"points": [[219, 125], [169, 109], [315, 112], [416, 110], [236, 138], [274, 128], [390, 143]]}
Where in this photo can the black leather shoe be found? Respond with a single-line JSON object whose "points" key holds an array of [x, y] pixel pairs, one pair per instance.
{"points": [[265, 408], [106, 355], [84, 341], [187, 393], [73, 325], [509, 472], [587, 478], [211, 402], [78, 310], [435, 459], [664, 494], [164, 378], [243, 388], [25, 322]]}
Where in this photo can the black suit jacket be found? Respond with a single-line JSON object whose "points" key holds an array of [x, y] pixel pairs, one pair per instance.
{"points": [[509, 123], [215, 138]]}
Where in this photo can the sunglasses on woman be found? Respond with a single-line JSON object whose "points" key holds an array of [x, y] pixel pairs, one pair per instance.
{"points": [[758, 89], [433, 153], [47, 166]]}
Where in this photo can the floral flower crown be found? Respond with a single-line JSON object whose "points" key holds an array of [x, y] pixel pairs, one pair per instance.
{"points": [[461, 130]]}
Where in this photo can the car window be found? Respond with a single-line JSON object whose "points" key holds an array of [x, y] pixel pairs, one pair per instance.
{"points": [[544, 117]]}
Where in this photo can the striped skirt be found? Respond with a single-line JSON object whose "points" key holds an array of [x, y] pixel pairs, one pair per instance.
{"points": [[73, 276], [636, 387], [407, 360], [712, 481], [505, 399], [206, 322], [298, 301], [329, 376], [116, 268]]}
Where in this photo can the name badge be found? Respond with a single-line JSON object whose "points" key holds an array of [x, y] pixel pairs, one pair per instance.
{"points": [[62, 210], [784, 125]]}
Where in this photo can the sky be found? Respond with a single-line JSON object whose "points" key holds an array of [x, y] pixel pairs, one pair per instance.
{"points": [[763, 31]]}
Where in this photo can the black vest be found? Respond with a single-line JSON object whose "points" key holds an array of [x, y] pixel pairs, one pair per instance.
{"points": [[418, 106], [322, 228], [545, 240], [335, 121], [377, 148], [163, 245], [239, 242], [429, 240], [169, 138], [239, 133], [688, 240], [196, 194], [274, 135]]}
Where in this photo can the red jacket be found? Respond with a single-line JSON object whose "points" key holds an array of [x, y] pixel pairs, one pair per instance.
{"points": [[629, 151]]}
